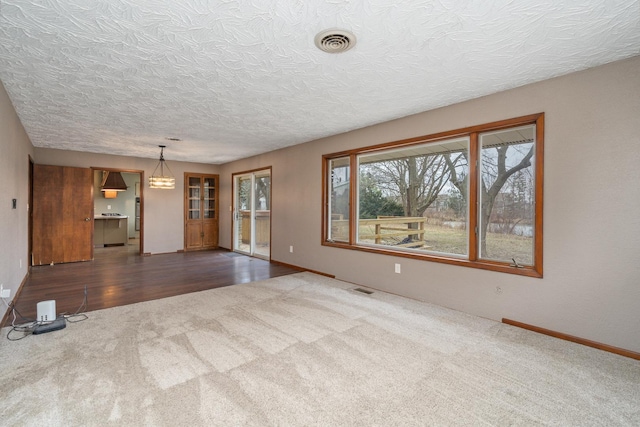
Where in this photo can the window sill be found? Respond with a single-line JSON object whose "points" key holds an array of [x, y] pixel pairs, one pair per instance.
{"points": [[480, 264]]}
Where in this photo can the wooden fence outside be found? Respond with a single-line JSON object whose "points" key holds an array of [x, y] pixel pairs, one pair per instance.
{"points": [[389, 228]]}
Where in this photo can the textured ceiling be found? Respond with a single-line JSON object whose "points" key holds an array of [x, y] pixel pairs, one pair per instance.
{"points": [[237, 78]]}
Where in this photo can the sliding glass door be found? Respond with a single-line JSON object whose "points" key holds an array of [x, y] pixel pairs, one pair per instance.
{"points": [[252, 213]]}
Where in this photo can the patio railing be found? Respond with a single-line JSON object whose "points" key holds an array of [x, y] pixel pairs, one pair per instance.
{"points": [[400, 231]]}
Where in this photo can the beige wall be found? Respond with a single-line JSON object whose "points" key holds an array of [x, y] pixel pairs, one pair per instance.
{"points": [[591, 284], [163, 209], [591, 228], [14, 184]]}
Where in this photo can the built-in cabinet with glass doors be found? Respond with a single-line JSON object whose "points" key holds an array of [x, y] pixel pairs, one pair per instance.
{"points": [[200, 211]]}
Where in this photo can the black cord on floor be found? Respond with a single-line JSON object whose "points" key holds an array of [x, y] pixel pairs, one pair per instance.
{"points": [[79, 315], [27, 328]]}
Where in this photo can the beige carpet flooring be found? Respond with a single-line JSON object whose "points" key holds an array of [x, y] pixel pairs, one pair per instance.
{"points": [[305, 350]]}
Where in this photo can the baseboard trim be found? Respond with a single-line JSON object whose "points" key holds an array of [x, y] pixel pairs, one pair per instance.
{"points": [[297, 267], [577, 340], [5, 318]]}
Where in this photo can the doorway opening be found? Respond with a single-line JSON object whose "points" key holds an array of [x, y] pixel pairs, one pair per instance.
{"points": [[118, 216], [252, 213]]}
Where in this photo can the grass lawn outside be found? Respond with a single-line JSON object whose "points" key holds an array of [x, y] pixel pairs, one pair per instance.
{"points": [[445, 239]]}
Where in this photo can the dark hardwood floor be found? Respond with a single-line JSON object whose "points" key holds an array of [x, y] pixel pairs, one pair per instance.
{"points": [[118, 276]]}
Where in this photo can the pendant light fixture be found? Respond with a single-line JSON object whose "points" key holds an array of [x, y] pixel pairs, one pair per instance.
{"points": [[167, 182]]}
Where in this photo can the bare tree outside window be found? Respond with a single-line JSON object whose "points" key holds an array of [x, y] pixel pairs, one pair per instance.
{"points": [[507, 195], [419, 181]]}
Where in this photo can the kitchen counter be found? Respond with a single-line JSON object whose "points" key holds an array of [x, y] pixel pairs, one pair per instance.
{"points": [[110, 230]]}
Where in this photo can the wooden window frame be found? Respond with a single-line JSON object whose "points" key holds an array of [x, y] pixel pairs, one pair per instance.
{"points": [[472, 259]]}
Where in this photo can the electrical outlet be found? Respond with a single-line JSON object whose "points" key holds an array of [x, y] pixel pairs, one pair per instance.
{"points": [[291, 249], [397, 268], [109, 207]]}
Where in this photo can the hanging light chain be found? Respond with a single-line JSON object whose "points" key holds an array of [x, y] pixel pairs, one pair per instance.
{"points": [[163, 182]]}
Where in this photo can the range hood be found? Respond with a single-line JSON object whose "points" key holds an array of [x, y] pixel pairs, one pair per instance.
{"points": [[112, 183]]}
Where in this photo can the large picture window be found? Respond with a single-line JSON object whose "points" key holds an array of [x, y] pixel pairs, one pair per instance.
{"points": [[414, 198], [470, 197]]}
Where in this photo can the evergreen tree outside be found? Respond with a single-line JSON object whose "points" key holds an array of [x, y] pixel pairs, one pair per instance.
{"points": [[373, 203]]}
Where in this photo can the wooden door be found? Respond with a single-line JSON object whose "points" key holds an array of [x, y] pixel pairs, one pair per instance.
{"points": [[62, 214], [200, 211]]}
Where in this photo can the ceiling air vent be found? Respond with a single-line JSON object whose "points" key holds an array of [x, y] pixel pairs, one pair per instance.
{"points": [[335, 41]]}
